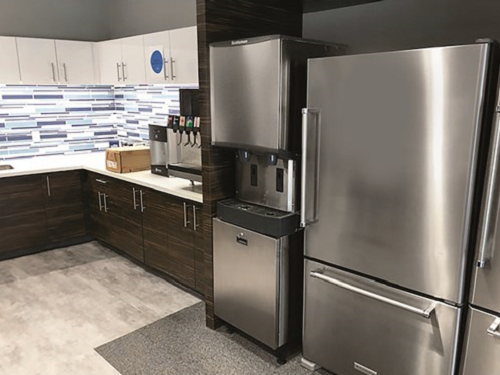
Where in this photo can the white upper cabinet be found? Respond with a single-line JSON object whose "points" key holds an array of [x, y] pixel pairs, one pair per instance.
{"points": [[9, 63], [110, 62], [75, 62], [134, 70], [157, 47], [172, 56], [184, 55], [121, 61], [37, 61]]}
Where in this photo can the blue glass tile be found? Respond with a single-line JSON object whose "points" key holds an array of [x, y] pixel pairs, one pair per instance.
{"points": [[17, 97], [48, 97]]}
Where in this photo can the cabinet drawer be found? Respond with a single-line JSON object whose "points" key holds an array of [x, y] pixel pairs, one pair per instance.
{"points": [[346, 332]]}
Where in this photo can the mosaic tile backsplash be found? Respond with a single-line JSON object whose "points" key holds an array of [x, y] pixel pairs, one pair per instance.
{"points": [[51, 120]]}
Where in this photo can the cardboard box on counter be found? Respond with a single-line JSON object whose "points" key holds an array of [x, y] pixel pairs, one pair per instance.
{"points": [[128, 159]]}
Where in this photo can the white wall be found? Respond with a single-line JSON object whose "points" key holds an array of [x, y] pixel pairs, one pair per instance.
{"points": [[57, 19], [402, 24], [93, 20], [134, 17]]}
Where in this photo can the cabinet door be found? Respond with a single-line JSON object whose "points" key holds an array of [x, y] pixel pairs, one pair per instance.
{"points": [[9, 63], [37, 61], [110, 60], [155, 226], [184, 55], [95, 191], [125, 215], [181, 243], [64, 210], [75, 62], [199, 255], [22, 217], [157, 68], [133, 68]]}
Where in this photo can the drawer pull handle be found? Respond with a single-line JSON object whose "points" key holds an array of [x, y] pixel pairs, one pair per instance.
{"points": [[101, 181], [424, 313], [242, 241], [493, 330]]}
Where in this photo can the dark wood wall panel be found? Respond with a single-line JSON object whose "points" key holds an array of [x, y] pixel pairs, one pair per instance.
{"points": [[220, 20]]}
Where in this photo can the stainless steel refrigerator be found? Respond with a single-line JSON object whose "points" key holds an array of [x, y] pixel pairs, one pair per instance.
{"points": [[481, 353], [395, 148]]}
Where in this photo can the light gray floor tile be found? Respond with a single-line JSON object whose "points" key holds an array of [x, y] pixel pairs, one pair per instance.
{"points": [[60, 305]]}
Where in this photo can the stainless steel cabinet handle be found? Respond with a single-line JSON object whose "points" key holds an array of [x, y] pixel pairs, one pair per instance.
{"points": [[53, 72], [135, 198], [425, 313], [123, 71], [105, 196], [101, 181], [65, 70], [491, 199], [493, 330], [172, 64], [118, 72], [141, 194], [310, 168], [99, 197], [49, 193], [186, 222], [195, 225], [165, 69]]}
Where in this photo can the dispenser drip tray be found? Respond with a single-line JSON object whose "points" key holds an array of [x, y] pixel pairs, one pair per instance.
{"points": [[260, 219], [187, 171]]}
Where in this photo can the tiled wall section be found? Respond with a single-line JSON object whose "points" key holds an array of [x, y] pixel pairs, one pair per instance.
{"points": [[47, 120], [138, 106]]}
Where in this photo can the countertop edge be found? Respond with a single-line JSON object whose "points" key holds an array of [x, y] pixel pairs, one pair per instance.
{"points": [[191, 196]]}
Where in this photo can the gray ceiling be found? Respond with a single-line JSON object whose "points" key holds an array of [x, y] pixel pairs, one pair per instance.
{"points": [[319, 5]]}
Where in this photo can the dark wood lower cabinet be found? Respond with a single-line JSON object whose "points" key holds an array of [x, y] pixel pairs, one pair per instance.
{"points": [[22, 216], [169, 237], [115, 215], [157, 229], [64, 209]]}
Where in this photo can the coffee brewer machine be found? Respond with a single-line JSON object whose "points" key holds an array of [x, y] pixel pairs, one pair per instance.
{"points": [[258, 90], [159, 149]]}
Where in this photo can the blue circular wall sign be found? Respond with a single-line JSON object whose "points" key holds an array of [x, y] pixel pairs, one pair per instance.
{"points": [[157, 62]]}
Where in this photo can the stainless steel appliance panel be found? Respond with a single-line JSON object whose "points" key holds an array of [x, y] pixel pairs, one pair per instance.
{"points": [[250, 288], [248, 105], [482, 344], [397, 151], [485, 291], [265, 192], [353, 325]]}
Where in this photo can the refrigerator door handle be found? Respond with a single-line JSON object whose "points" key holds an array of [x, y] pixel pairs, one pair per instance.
{"points": [[310, 167], [426, 313], [491, 198], [493, 329]]}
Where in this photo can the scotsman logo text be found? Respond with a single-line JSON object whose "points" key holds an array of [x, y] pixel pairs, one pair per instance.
{"points": [[236, 42], [364, 370]]}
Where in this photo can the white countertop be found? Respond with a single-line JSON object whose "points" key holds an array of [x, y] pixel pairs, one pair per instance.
{"points": [[95, 162]]}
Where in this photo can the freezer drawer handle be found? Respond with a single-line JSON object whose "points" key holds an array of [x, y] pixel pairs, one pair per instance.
{"points": [[425, 313], [493, 330]]}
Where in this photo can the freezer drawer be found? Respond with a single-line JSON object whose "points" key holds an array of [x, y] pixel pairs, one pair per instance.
{"points": [[353, 325], [482, 344], [250, 282]]}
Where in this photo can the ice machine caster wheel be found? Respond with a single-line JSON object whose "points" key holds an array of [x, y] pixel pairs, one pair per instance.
{"points": [[281, 361]]}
